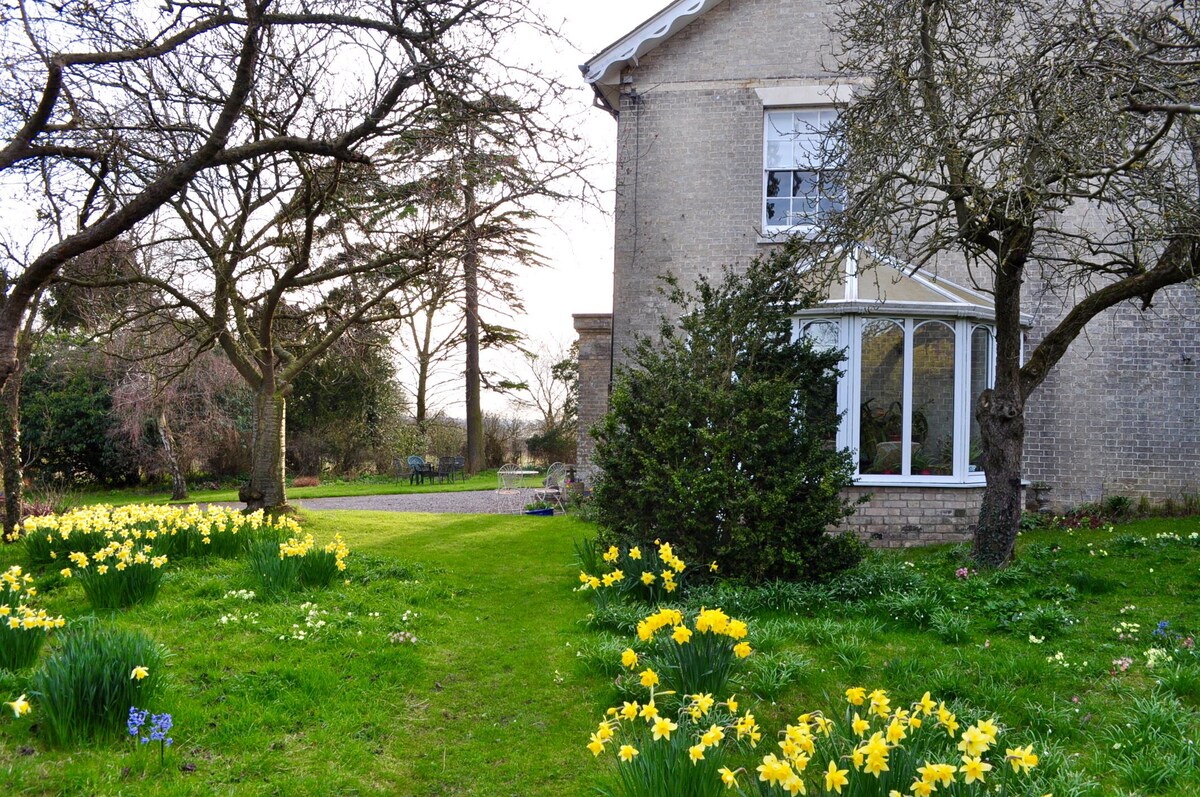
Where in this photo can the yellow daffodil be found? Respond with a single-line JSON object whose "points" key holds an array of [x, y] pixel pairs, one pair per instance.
{"points": [[696, 753], [742, 650], [139, 672], [627, 751], [1021, 758], [595, 745], [649, 678], [922, 788], [629, 658], [647, 578], [836, 778], [860, 726], [713, 736], [974, 769], [635, 553], [682, 634], [662, 728], [728, 777], [19, 707], [856, 695]]}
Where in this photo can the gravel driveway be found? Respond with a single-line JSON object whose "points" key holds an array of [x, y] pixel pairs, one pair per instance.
{"points": [[474, 502]]}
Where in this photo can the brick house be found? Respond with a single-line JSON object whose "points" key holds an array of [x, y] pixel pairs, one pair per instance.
{"points": [[708, 96]]}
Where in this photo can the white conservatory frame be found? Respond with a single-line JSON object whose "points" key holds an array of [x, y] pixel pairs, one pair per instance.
{"points": [[917, 298]]}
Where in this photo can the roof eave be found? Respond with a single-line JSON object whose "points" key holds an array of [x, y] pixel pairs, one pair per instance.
{"points": [[604, 70]]}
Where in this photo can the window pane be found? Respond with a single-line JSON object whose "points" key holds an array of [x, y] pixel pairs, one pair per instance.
{"points": [[823, 334], [778, 211], [933, 400], [804, 210], [828, 115], [779, 183], [830, 206], [804, 184], [779, 155], [779, 125], [808, 121], [881, 414], [807, 151], [981, 367]]}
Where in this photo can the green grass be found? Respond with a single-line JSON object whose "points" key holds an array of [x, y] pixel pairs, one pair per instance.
{"points": [[508, 677], [484, 480], [487, 698]]}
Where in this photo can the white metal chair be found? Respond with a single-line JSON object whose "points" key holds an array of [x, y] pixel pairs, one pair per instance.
{"points": [[509, 493], [554, 486]]}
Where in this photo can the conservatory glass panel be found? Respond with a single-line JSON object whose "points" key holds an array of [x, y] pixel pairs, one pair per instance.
{"points": [[981, 369], [824, 336], [933, 400], [881, 411]]}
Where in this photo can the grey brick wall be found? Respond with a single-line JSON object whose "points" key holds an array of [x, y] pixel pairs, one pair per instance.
{"points": [[1121, 412], [902, 517], [595, 363]]}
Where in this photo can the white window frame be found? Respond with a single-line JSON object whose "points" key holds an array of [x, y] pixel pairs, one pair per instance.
{"points": [[849, 394], [768, 227]]}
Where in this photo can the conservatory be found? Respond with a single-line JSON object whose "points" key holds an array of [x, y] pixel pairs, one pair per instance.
{"points": [[919, 351]]}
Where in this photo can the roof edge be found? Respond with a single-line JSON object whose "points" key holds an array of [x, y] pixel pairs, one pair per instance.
{"points": [[605, 67]]}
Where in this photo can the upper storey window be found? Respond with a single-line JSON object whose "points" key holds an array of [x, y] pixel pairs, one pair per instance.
{"points": [[799, 188]]}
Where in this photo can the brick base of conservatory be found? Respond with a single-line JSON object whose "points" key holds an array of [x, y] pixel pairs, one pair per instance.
{"points": [[905, 517]]}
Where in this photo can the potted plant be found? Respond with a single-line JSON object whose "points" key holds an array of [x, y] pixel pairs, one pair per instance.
{"points": [[543, 508]]}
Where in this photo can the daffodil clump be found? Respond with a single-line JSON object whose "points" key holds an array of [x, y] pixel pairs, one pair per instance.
{"points": [[23, 629], [172, 530], [297, 562], [694, 654], [669, 746], [119, 575], [885, 751], [649, 575], [875, 751]]}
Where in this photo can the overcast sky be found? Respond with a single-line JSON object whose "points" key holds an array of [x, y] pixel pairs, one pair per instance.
{"points": [[579, 246]]}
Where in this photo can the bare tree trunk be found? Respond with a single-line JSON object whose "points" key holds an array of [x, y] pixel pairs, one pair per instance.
{"points": [[422, 389], [266, 489], [474, 374], [1001, 415], [179, 490], [10, 451], [1002, 426]]}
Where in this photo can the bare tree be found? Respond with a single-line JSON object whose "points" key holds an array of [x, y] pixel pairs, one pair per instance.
{"points": [[1040, 141], [550, 386], [107, 111]]}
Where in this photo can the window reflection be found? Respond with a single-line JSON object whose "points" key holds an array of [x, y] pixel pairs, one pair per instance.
{"points": [[881, 411], [981, 369], [933, 400]]}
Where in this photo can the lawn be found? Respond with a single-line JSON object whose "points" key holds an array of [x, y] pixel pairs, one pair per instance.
{"points": [[486, 702], [373, 485], [512, 669]]}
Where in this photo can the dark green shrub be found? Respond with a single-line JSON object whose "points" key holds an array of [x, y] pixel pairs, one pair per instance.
{"points": [[85, 688], [720, 432]]}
